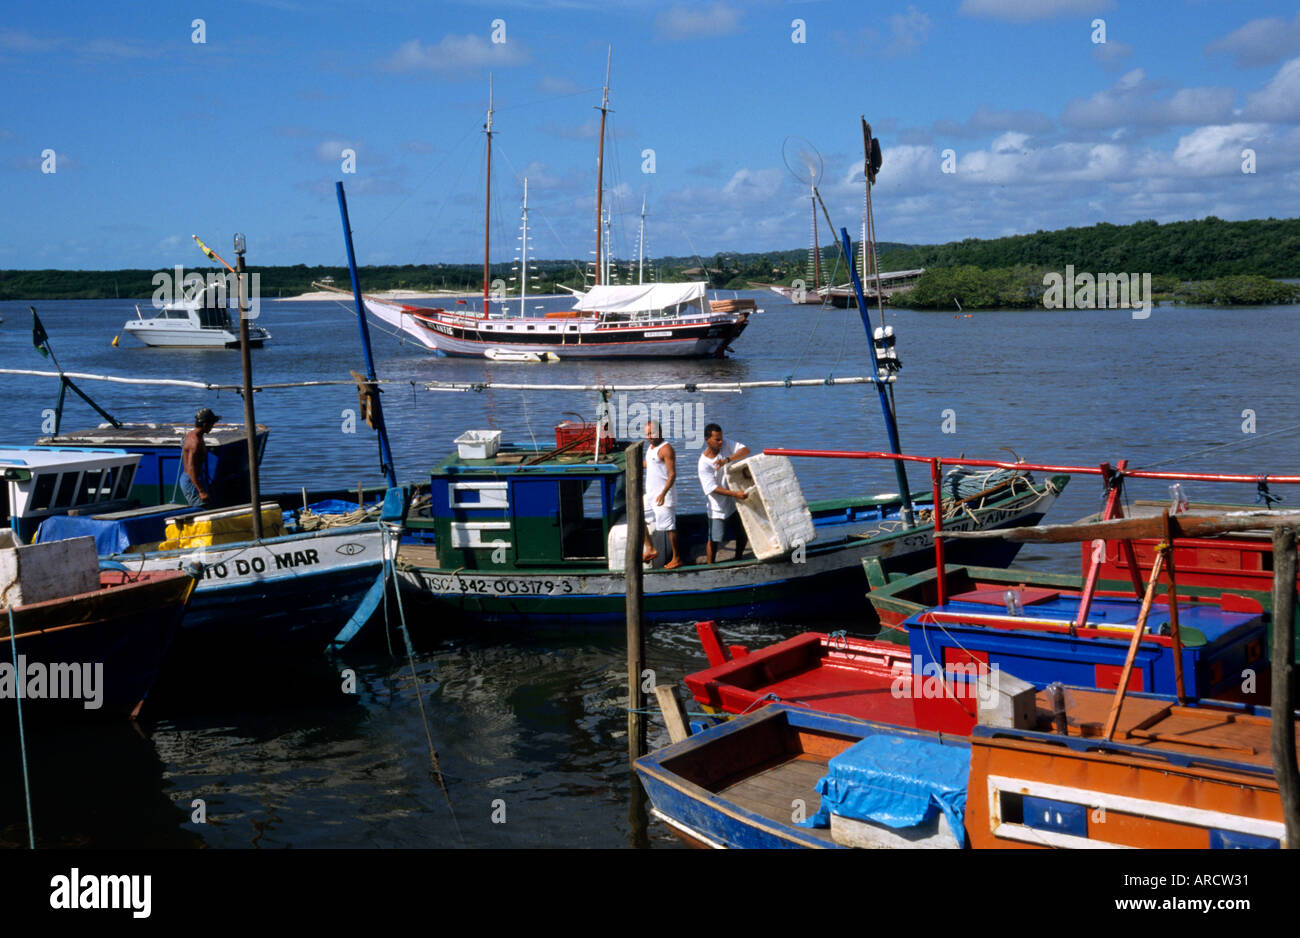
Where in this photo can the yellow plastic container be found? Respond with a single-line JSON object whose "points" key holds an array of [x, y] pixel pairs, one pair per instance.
{"points": [[212, 528]]}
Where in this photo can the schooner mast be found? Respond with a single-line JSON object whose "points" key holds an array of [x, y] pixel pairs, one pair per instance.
{"points": [[487, 205], [600, 162]]}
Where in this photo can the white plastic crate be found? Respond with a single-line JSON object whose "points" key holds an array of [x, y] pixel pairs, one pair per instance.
{"points": [[478, 444]]}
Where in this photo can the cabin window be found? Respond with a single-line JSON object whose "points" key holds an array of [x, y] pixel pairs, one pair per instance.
{"points": [[67, 489], [109, 483], [43, 491], [124, 482], [214, 317], [89, 488], [531, 328], [175, 314]]}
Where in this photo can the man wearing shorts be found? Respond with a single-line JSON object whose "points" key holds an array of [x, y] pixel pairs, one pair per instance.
{"points": [[660, 501], [723, 521]]}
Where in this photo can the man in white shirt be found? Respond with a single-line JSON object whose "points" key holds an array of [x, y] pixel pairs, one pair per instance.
{"points": [[723, 521], [660, 500]]}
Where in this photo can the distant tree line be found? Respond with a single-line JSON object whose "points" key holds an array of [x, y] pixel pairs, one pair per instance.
{"points": [[1204, 261]]}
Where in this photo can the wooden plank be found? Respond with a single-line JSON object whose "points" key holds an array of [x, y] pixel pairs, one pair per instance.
{"points": [[674, 713], [1182, 526]]}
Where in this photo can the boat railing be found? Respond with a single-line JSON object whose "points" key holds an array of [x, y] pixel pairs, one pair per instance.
{"points": [[1113, 476]]}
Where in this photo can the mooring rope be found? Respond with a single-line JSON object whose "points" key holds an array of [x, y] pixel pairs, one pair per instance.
{"points": [[22, 736], [419, 693]]}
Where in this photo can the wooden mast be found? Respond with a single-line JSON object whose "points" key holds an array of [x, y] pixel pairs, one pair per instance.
{"points": [[487, 204], [600, 162]]}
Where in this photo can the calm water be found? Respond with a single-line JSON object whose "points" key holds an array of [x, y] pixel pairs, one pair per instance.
{"points": [[531, 723]]}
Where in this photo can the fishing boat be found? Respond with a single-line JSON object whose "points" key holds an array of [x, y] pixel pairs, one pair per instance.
{"points": [[518, 533], [156, 480], [200, 320], [82, 641], [931, 682], [1168, 776], [307, 577], [606, 321], [756, 782]]}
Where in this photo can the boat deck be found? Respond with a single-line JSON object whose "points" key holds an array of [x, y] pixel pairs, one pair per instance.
{"points": [[772, 792], [1160, 724]]}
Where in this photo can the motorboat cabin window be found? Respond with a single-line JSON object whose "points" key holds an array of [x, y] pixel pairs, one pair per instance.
{"points": [[176, 314], [67, 489], [214, 317], [43, 491]]}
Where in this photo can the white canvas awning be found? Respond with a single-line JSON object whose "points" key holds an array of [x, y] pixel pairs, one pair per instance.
{"points": [[635, 299]]}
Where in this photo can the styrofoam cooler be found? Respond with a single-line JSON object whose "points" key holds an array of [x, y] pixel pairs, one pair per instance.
{"points": [[775, 514], [35, 573]]}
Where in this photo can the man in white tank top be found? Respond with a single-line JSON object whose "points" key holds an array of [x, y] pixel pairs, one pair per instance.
{"points": [[660, 500]]}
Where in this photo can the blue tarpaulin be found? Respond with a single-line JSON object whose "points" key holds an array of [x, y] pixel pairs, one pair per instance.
{"points": [[896, 781], [111, 537]]}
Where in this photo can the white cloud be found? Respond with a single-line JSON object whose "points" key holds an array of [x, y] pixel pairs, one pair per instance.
{"points": [[1134, 101], [908, 31], [331, 151], [452, 54], [1024, 11], [1279, 100], [1112, 55], [1213, 150], [987, 120], [682, 22], [1260, 42]]}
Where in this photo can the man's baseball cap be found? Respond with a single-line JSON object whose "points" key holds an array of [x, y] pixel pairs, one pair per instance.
{"points": [[205, 416]]}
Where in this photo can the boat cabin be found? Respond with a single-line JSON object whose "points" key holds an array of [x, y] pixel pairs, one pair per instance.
{"points": [[157, 480], [40, 483], [525, 507]]}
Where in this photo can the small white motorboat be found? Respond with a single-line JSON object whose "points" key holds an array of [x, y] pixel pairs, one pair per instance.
{"points": [[192, 322], [519, 355]]}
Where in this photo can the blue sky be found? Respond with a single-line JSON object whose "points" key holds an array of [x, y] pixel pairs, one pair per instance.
{"points": [[157, 136]]}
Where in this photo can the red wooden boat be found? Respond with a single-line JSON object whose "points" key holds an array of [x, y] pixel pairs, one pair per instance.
{"points": [[114, 638]]}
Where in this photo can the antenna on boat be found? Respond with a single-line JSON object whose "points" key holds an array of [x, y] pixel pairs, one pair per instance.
{"points": [[600, 161], [523, 266], [871, 165], [487, 204], [640, 247]]}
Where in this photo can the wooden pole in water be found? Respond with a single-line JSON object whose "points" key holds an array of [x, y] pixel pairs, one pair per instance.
{"points": [[638, 819], [250, 422], [633, 573], [1283, 704]]}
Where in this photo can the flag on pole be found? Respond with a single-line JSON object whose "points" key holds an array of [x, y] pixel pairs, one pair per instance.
{"points": [[39, 338]]}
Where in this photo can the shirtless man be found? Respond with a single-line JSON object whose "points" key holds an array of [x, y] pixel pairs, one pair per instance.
{"points": [[195, 483], [660, 500]]}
